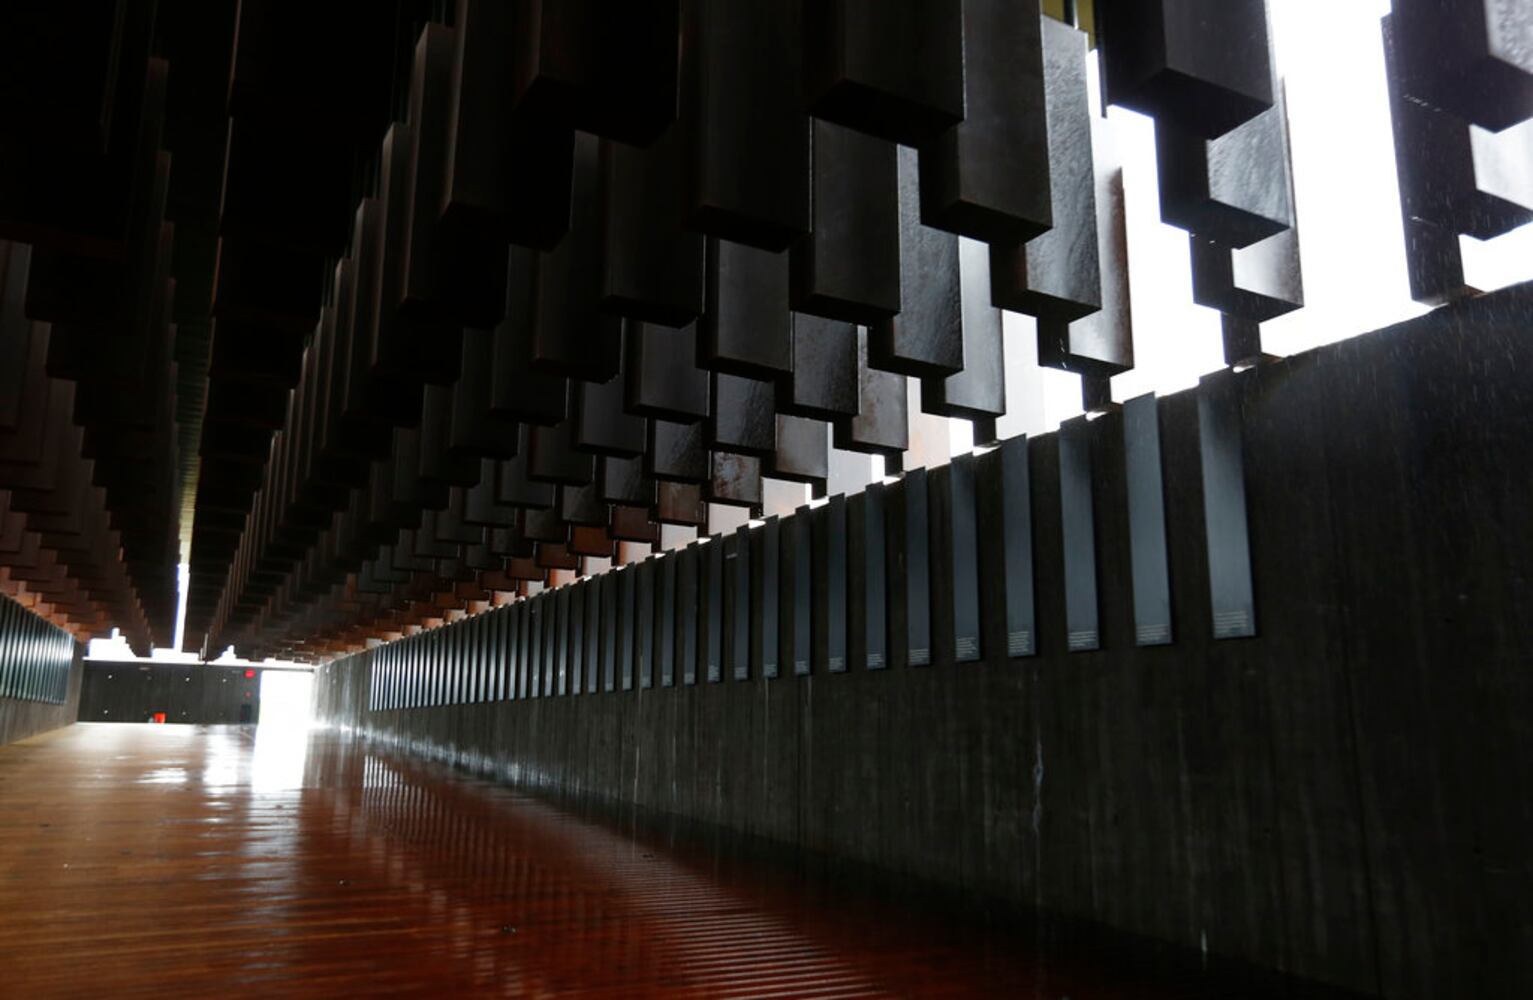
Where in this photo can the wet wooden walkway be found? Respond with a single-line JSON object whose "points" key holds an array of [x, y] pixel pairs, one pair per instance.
{"points": [[139, 860]]}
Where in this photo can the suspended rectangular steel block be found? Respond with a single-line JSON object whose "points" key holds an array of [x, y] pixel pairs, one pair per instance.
{"points": [[660, 373], [438, 463], [987, 177], [652, 266], [403, 345], [1452, 174], [403, 555], [516, 488], [823, 380], [680, 504], [591, 540], [450, 524], [677, 452], [742, 108], [743, 415], [476, 430], [519, 392], [1058, 274], [979, 391], [552, 457], [539, 178], [557, 555], [607, 69], [624, 481], [926, 338], [545, 526], [734, 480], [1101, 344], [803, 452], [848, 267], [1257, 283], [526, 568], [882, 423], [1205, 66], [1473, 58], [570, 334], [746, 328], [602, 424], [632, 524], [1235, 189], [476, 199], [422, 266], [894, 70]]}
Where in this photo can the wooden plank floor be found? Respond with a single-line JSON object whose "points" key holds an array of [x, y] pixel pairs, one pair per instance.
{"points": [[140, 860]]}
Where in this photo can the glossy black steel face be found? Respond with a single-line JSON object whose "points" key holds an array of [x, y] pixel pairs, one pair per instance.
{"points": [[800, 542], [1078, 531], [1233, 610], [711, 622], [644, 624], [915, 568], [738, 572], [1016, 509], [767, 629], [1147, 521], [1057, 274], [628, 641], [1207, 67]]}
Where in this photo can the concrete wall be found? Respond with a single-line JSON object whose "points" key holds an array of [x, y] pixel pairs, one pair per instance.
{"points": [[187, 693], [1345, 797]]}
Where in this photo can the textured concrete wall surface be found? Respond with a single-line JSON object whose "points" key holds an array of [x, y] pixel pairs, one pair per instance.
{"points": [[1344, 796]]}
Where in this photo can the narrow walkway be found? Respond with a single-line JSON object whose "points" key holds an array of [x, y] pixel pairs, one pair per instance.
{"points": [[139, 860]]}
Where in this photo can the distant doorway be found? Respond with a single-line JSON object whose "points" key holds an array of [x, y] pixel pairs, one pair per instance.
{"points": [[285, 698]]}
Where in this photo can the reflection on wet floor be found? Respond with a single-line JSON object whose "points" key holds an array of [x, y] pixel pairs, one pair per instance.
{"points": [[142, 859]]}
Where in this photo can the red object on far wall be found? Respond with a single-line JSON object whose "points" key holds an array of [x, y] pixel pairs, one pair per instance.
{"points": [[249, 675], [159, 717]]}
